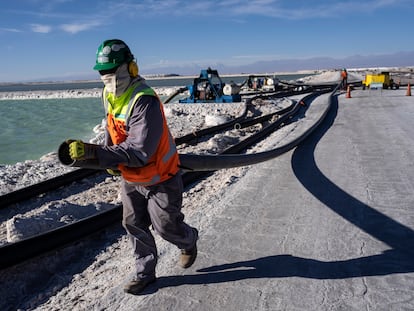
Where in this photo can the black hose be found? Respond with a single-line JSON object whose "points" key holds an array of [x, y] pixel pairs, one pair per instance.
{"points": [[64, 158], [216, 162], [44, 186], [191, 162], [17, 252], [180, 90]]}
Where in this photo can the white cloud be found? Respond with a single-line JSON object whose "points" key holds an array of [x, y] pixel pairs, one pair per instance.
{"points": [[41, 28], [78, 27], [9, 30], [306, 10], [270, 8]]}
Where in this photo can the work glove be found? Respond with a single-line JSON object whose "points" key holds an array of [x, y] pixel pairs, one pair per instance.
{"points": [[78, 150]]}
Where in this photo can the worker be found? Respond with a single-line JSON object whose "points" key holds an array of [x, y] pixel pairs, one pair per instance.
{"points": [[140, 147], [344, 76]]}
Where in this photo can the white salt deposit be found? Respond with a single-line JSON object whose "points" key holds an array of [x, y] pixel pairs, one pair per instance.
{"points": [[212, 120], [77, 93]]}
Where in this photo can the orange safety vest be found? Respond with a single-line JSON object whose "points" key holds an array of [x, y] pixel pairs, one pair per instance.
{"points": [[164, 162]]}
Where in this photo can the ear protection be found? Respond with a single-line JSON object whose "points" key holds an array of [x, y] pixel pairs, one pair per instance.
{"points": [[132, 65], [133, 69]]}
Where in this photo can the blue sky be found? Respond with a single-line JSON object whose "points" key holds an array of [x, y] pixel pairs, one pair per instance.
{"points": [[58, 38]]}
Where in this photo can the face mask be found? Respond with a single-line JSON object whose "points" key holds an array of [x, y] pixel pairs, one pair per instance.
{"points": [[110, 82], [118, 82]]}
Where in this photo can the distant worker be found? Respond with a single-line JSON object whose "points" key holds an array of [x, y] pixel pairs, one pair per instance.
{"points": [[139, 145], [344, 76]]}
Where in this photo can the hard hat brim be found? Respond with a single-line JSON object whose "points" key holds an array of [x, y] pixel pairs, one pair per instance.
{"points": [[105, 66]]}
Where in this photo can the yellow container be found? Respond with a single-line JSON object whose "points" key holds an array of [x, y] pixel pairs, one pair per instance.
{"points": [[379, 78]]}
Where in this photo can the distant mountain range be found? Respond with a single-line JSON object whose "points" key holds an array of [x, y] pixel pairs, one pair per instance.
{"points": [[400, 59]]}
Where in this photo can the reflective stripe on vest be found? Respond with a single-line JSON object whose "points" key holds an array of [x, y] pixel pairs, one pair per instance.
{"points": [[164, 163], [132, 94]]}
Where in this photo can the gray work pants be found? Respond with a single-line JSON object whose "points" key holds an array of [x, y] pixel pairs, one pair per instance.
{"points": [[160, 206]]}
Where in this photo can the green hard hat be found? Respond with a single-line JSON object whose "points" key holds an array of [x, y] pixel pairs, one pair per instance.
{"points": [[112, 53]]}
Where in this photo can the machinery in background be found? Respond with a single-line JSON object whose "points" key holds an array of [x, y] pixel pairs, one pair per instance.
{"points": [[262, 83], [379, 80], [209, 87]]}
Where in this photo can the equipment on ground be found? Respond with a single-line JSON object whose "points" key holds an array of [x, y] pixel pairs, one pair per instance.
{"points": [[262, 83], [379, 80], [209, 87]]}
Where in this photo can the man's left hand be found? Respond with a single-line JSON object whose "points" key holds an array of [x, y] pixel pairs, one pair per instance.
{"points": [[78, 150]]}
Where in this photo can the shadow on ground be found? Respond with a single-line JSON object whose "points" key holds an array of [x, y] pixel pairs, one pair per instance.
{"points": [[399, 259]]}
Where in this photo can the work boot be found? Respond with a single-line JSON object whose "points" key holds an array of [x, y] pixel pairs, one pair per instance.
{"points": [[135, 286], [188, 256]]}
